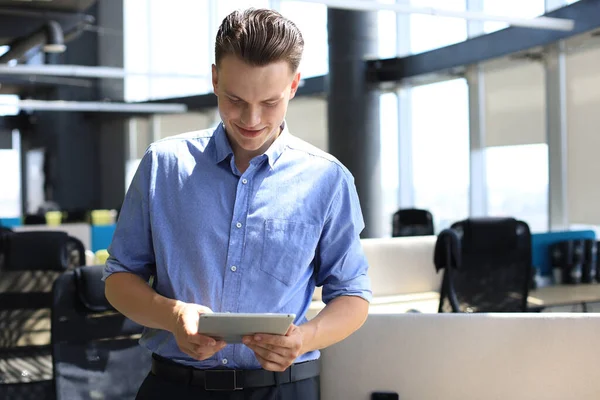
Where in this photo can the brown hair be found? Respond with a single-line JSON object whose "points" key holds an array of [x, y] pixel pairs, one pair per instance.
{"points": [[259, 37]]}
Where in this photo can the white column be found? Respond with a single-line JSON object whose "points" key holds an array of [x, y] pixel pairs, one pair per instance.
{"points": [[476, 83], [406, 192], [556, 126]]}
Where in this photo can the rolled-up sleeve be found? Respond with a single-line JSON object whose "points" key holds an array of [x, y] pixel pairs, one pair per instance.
{"points": [[131, 249], [341, 261]]}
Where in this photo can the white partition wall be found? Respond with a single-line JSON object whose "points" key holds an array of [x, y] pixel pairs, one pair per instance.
{"points": [[467, 356]]}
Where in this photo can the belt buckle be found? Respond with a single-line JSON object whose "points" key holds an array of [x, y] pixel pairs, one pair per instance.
{"points": [[220, 379]]}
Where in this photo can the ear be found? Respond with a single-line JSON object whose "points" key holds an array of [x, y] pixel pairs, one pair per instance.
{"points": [[295, 85], [215, 78]]}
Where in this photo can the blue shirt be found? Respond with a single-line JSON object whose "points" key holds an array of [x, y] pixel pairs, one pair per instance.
{"points": [[253, 242]]}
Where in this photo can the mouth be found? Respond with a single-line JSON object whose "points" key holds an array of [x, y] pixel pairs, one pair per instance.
{"points": [[250, 133]]}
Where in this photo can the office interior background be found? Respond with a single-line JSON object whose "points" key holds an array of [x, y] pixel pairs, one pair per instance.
{"points": [[513, 134]]}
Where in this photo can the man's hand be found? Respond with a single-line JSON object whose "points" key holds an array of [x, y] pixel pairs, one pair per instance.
{"points": [[186, 334], [276, 352]]}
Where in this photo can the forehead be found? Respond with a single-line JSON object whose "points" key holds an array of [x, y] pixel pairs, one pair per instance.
{"points": [[240, 78]]}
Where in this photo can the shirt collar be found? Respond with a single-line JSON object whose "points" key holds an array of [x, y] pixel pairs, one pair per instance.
{"points": [[278, 146], [223, 148]]}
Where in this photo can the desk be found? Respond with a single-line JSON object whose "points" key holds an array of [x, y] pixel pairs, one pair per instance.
{"points": [[561, 295], [425, 302]]}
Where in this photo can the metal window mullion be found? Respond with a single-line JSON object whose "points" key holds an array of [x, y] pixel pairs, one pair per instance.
{"points": [[406, 192], [556, 127], [556, 130], [478, 188]]}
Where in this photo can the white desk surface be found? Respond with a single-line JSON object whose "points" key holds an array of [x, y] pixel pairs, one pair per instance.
{"points": [[428, 302], [555, 295]]}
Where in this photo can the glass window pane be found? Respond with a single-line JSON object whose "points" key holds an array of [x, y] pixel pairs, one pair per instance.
{"points": [[386, 33], [428, 32], [311, 19], [440, 140], [517, 179], [512, 8], [583, 138], [170, 45], [515, 104], [388, 111], [224, 8]]}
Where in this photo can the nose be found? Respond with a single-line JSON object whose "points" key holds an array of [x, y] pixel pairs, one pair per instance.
{"points": [[251, 116]]}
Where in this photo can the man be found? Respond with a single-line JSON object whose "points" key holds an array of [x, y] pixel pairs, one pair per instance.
{"points": [[242, 218]]}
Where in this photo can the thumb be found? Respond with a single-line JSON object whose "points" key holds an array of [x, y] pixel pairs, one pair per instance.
{"points": [[291, 330]]}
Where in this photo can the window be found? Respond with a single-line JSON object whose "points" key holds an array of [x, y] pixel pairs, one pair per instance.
{"points": [[517, 179], [311, 19], [512, 8], [386, 33], [10, 195], [388, 112], [9, 104], [440, 142], [167, 47], [428, 32]]}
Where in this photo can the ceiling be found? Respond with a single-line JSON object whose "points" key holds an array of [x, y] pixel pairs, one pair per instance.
{"points": [[20, 18]]}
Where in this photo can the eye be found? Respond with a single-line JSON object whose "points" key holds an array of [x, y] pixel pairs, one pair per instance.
{"points": [[271, 103], [234, 101]]}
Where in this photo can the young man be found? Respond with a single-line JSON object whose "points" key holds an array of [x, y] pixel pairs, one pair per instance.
{"points": [[242, 218]]}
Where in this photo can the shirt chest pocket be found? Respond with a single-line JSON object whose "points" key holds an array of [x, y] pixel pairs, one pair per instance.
{"points": [[288, 249]]}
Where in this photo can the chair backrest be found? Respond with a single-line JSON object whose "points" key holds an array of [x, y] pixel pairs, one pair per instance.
{"points": [[32, 261], [494, 270], [412, 222], [95, 349]]}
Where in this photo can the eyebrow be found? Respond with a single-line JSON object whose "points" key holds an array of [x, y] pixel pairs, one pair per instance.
{"points": [[271, 99]]}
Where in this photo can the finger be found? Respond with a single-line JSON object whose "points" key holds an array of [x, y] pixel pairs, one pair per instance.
{"points": [[217, 346], [271, 356], [204, 352], [274, 340], [269, 365], [282, 351], [202, 340], [291, 330]]}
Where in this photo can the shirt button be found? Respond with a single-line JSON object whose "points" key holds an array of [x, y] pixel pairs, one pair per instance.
{"points": [[239, 224], [233, 268], [224, 361], [244, 181]]}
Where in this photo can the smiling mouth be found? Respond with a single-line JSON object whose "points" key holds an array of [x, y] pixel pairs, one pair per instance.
{"points": [[248, 132]]}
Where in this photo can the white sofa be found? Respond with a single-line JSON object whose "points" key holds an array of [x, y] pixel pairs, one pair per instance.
{"points": [[467, 356]]}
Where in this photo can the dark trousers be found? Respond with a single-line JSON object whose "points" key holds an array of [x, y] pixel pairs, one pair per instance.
{"points": [[157, 388]]}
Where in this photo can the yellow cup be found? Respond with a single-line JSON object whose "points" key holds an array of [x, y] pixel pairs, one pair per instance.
{"points": [[53, 218], [103, 217], [101, 256]]}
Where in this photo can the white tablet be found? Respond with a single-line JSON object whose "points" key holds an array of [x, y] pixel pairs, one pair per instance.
{"points": [[231, 327]]}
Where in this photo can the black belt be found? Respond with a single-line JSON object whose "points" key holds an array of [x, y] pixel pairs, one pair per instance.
{"points": [[231, 379]]}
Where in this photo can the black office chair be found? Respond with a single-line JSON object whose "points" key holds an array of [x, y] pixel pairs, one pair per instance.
{"points": [[489, 268], [95, 349], [32, 262], [412, 222]]}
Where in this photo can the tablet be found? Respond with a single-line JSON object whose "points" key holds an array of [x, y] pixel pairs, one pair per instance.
{"points": [[231, 327]]}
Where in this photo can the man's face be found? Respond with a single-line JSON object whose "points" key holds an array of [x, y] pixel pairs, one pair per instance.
{"points": [[253, 102]]}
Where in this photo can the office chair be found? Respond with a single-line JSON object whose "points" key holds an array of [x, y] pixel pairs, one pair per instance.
{"points": [[487, 266], [32, 261], [412, 222], [95, 349]]}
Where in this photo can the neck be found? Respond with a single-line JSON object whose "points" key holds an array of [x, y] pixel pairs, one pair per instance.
{"points": [[243, 157]]}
